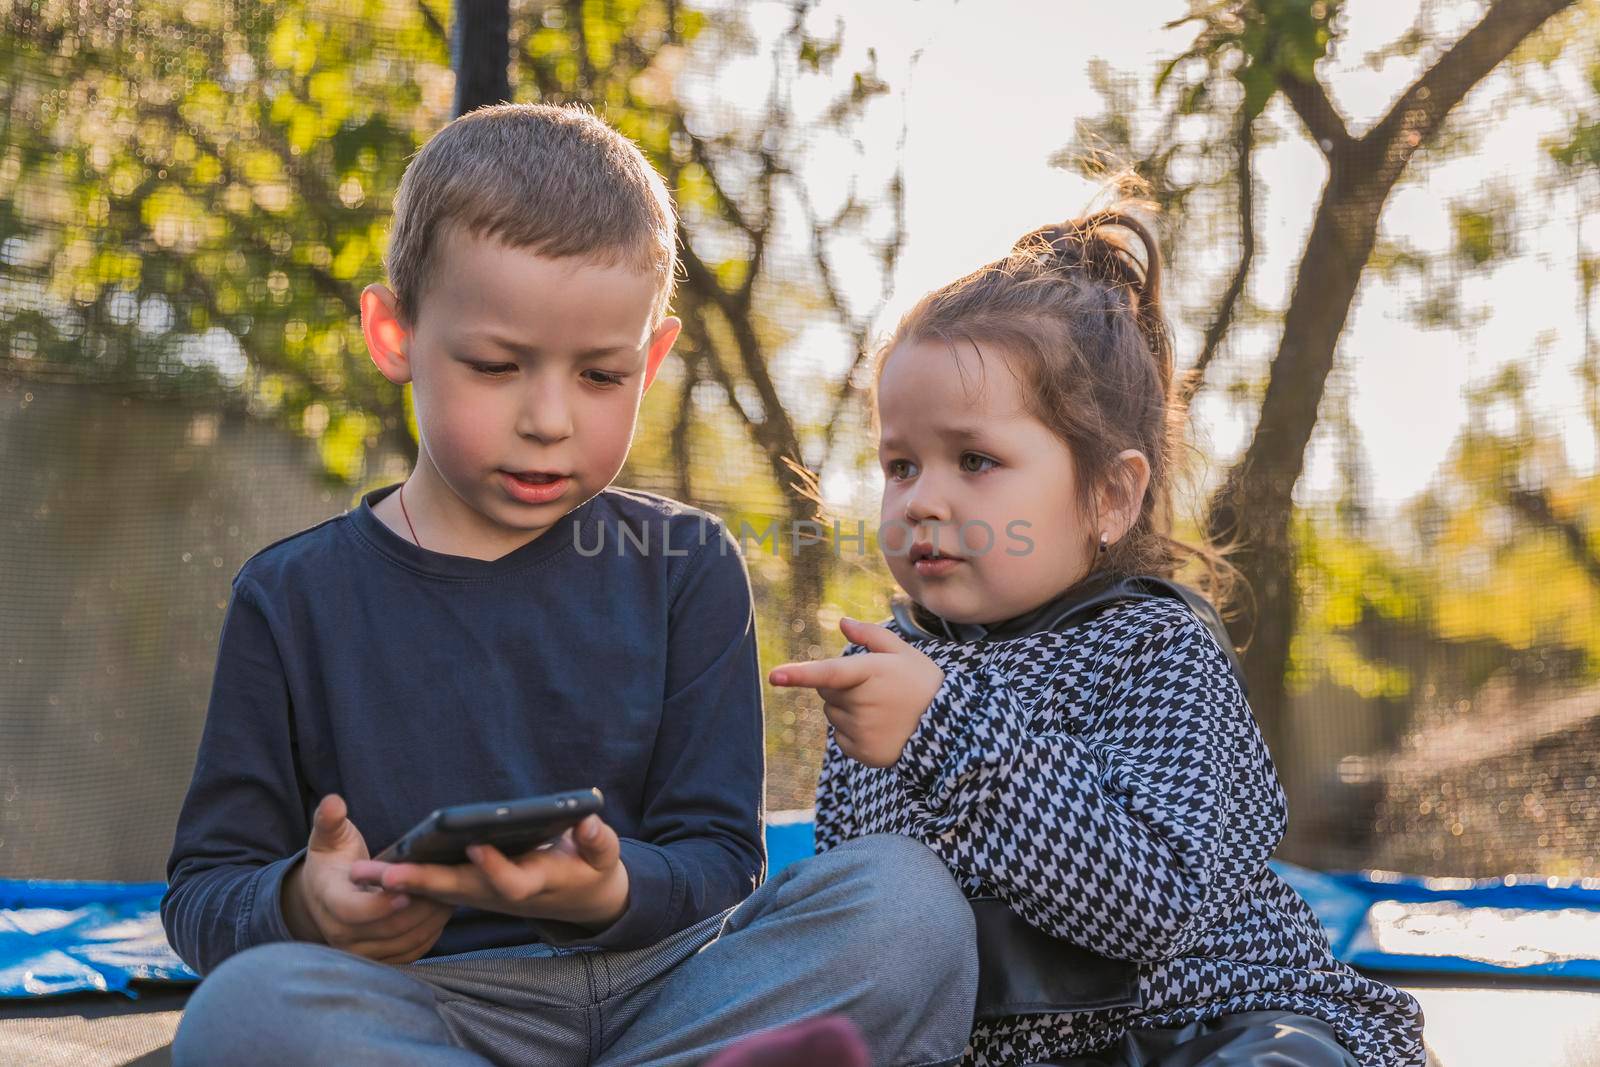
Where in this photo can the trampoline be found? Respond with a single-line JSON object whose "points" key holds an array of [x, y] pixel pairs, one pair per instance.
{"points": [[1506, 972]]}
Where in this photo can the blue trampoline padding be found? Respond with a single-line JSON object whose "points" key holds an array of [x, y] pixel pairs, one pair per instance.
{"points": [[69, 937], [789, 839], [72, 937], [1499, 926]]}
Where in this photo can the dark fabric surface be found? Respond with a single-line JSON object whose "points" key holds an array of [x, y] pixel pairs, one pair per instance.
{"points": [[1248, 1039]]}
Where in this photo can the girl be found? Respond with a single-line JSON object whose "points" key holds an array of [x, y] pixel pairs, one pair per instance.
{"points": [[1087, 758]]}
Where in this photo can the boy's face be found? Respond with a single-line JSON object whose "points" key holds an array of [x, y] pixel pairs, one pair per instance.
{"points": [[527, 374]]}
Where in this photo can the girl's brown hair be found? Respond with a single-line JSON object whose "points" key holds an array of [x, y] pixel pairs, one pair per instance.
{"points": [[1076, 309]]}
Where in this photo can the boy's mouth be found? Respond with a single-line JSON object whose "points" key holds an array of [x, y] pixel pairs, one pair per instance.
{"points": [[536, 477], [535, 487]]}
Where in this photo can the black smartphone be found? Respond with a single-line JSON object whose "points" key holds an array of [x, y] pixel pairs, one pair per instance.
{"points": [[512, 826]]}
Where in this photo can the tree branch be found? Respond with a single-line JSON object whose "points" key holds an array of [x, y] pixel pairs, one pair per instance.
{"points": [[726, 205], [1534, 505], [1195, 378], [430, 20], [1322, 120], [690, 355], [695, 324], [775, 432], [260, 356], [314, 196], [580, 37], [1416, 116]]}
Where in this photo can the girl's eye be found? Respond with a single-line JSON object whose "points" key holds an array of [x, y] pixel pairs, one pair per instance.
{"points": [[600, 377], [898, 469], [973, 463]]}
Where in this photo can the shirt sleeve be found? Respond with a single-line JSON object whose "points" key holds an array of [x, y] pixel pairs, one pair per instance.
{"points": [[244, 822], [835, 813], [1129, 836], [833, 818], [700, 848]]}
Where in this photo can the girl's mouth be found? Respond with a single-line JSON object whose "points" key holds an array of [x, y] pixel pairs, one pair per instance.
{"points": [[929, 562]]}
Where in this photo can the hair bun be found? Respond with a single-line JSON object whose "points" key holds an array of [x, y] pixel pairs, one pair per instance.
{"points": [[1099, 245], [1103, 246]]}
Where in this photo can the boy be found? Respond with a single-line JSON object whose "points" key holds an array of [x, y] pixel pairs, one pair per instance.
{"points": [[460, 638]]}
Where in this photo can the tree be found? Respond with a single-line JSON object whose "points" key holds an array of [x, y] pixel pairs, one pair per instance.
{"points": [[201, 193], [1247, 53]]}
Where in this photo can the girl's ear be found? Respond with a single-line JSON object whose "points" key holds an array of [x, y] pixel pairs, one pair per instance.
{"points": [[1122, 493]]}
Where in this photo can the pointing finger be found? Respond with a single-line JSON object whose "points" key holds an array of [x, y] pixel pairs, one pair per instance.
{"points": [[871, 636], [841, 672]]}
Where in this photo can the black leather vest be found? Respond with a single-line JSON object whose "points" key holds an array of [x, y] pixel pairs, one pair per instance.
{"points": [[1021, 969]]}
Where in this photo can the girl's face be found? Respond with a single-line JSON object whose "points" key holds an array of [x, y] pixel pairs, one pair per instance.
{"points": [[980, 512]]}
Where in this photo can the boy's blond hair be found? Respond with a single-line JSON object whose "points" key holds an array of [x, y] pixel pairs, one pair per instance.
{"points": [[557, 181]]}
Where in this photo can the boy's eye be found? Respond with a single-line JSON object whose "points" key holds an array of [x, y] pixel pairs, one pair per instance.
{"points": [[973, 463], [898, 469], [494, 370], [600, 377]]}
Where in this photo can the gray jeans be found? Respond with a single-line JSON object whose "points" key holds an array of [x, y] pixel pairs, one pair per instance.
{"points": [[875, 930]]}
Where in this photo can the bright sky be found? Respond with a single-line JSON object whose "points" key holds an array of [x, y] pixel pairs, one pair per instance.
{"points": [[996, 90]]}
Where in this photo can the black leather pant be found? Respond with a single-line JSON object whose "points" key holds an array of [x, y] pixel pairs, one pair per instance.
{"points": [[1248, 1039]]}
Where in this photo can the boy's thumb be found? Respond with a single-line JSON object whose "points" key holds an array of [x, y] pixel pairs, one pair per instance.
{"points": [[597, 843], [331, 828]]}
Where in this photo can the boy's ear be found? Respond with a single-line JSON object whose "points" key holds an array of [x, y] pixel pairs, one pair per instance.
{"points": [[661, 343], [388, 340], [1123, 492]]}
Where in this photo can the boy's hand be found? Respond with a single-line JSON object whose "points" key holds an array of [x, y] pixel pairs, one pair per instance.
{"points": [[579, 879], [874, 699], [321, 903]]}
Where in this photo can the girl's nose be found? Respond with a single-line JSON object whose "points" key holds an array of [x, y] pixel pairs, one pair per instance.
{"points": [[546, 413], [926, 504]]}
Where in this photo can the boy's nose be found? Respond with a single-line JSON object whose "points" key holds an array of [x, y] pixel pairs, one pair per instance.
{"points": [[546, 414]]}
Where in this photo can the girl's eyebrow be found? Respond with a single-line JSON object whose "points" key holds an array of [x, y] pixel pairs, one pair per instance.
{"points": [[963, 433]]}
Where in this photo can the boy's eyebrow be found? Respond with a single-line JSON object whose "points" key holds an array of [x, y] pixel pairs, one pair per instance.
{"points": [[523, 348]]}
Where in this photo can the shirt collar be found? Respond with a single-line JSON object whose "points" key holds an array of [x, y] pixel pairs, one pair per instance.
{"points": [[919, 621]]}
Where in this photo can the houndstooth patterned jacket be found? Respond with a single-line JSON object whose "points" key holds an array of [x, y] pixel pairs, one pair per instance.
{"points": [[1109, 783]]}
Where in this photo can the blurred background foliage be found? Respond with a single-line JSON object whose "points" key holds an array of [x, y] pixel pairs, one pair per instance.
{"points": [[193, 194]]}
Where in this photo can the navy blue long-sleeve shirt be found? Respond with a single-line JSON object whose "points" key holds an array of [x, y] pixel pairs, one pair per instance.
{"points": [[616, 650]]}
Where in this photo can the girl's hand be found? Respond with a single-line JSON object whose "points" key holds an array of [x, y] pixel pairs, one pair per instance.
{"points": [[875, 699], [579, 879]]}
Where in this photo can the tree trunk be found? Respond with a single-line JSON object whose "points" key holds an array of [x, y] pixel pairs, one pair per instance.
{"points": [[1255, 504]]}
